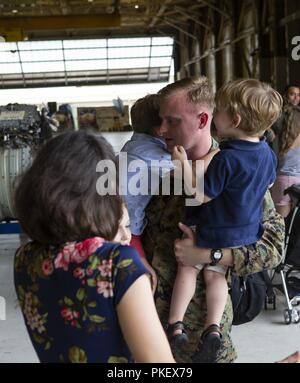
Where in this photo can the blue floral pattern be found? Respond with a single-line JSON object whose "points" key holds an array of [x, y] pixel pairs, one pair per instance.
{"points": [[68, 297]]}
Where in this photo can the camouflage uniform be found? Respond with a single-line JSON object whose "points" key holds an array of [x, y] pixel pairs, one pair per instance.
{"points": [[164, 213]]}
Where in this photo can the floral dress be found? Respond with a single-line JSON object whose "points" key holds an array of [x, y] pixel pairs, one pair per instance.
{"points": [[68, 297]]}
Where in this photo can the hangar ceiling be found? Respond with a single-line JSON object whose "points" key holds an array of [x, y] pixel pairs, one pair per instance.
{"points": [[44, 19], [25, 65], [220, 39]]}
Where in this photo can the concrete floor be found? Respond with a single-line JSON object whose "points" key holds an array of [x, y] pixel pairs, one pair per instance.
{"points": [[266, 339]]}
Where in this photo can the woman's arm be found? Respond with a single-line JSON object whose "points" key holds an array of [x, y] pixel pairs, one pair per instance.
{"points": [[141, 326]]}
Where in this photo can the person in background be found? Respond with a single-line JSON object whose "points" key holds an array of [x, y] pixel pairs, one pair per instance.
{"points": [[289, 160], [84, 293], [291, 97], [145, 145]]}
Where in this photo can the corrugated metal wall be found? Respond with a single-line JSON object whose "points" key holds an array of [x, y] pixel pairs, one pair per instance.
{"points": [[242, 38]]}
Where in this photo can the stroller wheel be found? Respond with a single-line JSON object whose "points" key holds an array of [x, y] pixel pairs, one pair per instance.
{"points": [[287, 316], [296, 316], [295, 302]]}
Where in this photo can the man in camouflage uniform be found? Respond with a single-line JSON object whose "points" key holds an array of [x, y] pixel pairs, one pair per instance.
{"points": [[186, 112]]}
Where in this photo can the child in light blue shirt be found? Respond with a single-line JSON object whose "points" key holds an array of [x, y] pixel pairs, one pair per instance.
{"points": [[149, 148]]}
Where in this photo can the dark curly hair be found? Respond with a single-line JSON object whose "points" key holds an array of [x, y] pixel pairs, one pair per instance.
{"points": [[56, 200]]}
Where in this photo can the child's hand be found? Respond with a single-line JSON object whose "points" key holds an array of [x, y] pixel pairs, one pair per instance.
{"points": [[179, 154]]}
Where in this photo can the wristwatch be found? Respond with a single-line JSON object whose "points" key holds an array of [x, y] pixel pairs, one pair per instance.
{"points": [[215, 255]]}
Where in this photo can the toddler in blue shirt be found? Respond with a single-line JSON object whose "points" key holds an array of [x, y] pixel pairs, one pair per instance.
{"points": [[235, 182]]}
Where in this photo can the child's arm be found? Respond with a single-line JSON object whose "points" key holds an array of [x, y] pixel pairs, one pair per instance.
{"points": [[207, 159], [190, 173]]}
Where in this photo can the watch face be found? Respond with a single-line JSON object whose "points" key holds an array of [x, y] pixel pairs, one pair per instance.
{"points": [[218, 254]]}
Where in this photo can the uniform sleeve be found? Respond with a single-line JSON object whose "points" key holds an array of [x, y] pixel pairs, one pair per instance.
{"points": [[216, 176], [268, 251], [127, 267]]}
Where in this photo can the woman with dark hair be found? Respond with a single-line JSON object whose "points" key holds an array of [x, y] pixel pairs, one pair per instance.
{"points": [[84, 293]]}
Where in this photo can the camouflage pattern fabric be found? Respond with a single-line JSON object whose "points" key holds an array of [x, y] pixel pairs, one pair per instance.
{"points": [[164, 213]]}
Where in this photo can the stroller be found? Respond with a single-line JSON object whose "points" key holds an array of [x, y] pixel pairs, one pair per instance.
{"points": [[289, 269]]}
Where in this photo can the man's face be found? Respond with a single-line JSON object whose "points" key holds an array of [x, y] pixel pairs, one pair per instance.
{"points": [[293, 95], [180, 122]]}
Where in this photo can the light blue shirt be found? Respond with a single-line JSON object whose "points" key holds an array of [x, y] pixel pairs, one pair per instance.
{"points": [[145, 148], [289, 165]]}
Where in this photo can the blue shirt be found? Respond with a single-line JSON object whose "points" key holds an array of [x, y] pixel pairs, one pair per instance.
{"points": [[236, 179], [69, 296], [145, 148]]}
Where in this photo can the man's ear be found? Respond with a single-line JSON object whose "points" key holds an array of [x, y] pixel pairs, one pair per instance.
{"points": [[203, 118], [236, 121]]}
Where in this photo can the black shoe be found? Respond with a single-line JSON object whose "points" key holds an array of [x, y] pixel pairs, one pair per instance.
{"points": [[177, 339], [209, 345]]}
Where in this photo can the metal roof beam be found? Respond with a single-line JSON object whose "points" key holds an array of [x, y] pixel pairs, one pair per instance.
{"points": [[14, 28], [160, 12], [167, 21], [182, 11], [211, 5]]}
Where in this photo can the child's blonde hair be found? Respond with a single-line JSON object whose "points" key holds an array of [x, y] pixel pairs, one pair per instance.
{"points": [[257, 103]]}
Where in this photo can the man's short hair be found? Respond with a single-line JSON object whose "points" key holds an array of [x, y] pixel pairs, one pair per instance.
{"points": [[197, 89], [145, 114], [258, 104]]}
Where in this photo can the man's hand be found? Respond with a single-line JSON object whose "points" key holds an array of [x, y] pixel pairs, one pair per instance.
{"points": [[186, 252], [179, 154]]}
